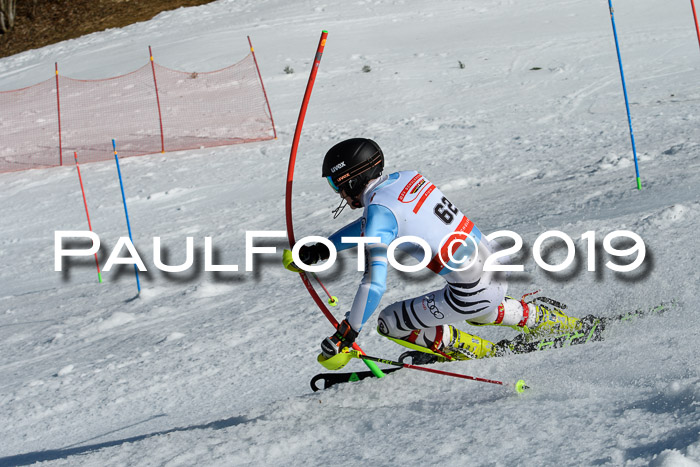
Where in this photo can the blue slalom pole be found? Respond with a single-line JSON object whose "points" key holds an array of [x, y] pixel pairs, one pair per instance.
{"points": [[128, 226], [624, 90]]}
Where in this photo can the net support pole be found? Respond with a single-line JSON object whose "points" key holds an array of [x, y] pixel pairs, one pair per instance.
{"points": [[160, 115], [267, 101], [58, 108], [624, 91]]}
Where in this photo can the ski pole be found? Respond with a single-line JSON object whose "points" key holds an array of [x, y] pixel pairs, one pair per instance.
{"points": [[332, 299], [520, 385]]}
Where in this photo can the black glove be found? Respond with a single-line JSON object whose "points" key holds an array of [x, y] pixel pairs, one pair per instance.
{"points": [[312, 254], [344, 336]]}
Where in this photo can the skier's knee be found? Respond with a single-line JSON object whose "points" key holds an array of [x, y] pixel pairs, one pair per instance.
{"points": [[384, 329], [386, 322]]}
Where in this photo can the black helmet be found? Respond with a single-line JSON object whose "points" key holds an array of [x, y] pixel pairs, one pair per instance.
{"points": [[351, 164]]}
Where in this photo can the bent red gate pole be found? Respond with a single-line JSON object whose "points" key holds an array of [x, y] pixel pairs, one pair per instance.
{"points": [[288, 194]]}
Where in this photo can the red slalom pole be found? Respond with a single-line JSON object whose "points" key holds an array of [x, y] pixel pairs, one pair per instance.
{"points": [[288, 194], [290, 174], [97, 263], [695, 16]]}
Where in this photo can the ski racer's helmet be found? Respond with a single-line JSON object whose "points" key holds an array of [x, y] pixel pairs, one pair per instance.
{"points": [[351, 164]]}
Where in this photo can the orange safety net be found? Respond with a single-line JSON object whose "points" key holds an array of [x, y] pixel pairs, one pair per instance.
{"points": [[197, 110], [29, 127]]}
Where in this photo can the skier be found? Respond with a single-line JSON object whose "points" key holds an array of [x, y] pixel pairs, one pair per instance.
{"points": [[406, 204]]}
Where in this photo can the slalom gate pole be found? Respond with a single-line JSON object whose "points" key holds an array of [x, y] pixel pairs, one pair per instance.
{"points": [[288, 195], [695, 16], [97, 263], [272, 120], [128, 226], [520, 386], [624, 90]]}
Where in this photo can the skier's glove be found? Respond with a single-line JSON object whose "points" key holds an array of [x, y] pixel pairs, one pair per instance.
{"points": [[308, 254], [344, 336]]}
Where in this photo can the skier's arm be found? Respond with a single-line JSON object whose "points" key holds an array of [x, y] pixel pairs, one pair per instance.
{"points": [[353, 229], [380, 223], [312, 254]]}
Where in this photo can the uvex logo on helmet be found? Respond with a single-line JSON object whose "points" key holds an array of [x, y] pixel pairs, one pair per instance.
{"points": [[335, 168]]}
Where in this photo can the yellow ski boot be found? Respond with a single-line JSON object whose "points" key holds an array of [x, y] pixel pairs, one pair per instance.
{"points": [[550, 320], [461, 345], [541, 317], [464, 346]]}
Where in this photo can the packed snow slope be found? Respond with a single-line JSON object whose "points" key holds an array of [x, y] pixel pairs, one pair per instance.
{"points": [[530, 134]]}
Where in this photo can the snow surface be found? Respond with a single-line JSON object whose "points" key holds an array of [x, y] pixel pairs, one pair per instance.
{"points": [[213, 368]]}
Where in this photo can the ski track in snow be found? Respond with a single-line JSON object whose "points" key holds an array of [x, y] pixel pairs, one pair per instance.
{"points": [[213, 368]]}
